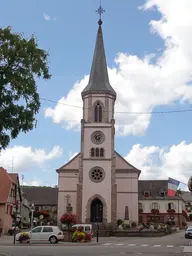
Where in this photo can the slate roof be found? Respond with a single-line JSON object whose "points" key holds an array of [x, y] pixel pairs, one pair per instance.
{"points": [[5, 183], [41, 196], [154, 186], [99, 79]]}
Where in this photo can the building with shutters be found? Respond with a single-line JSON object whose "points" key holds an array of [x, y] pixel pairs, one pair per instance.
{"points": [[156, 206], [10, 198]]}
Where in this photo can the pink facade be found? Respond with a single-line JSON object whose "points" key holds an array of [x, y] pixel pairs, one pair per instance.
{"points": [[5, 218], [98, 183]]}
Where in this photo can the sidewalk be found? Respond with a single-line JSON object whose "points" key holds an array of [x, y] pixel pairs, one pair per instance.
{"points": [[8, 241]]}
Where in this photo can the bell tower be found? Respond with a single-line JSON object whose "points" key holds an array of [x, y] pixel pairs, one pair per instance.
{"points": [[97, 158]]}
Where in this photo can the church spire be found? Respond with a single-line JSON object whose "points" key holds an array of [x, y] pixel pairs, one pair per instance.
{"points": [[99, 79]]}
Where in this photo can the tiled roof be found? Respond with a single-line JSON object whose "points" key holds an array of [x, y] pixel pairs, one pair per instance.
{"points": [[14, 176], [41, 196], [154, 186], [5, 184]]}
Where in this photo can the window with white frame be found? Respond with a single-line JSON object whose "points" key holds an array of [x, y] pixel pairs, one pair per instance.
{"points": [[155, 206], [170, 206]]}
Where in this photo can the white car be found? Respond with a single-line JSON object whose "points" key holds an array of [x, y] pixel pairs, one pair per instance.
{"points": [[51, 234]]}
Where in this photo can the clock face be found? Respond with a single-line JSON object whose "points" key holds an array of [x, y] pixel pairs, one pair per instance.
{"points": [[98, 137]]}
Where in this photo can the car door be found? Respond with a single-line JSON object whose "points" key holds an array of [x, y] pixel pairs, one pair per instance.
{"points": [[35, 234], [46, 233]]}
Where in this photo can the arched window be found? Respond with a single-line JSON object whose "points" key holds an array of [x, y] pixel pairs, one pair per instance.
{"points": [[101, 152], [170, 206], [92, 152], [155, 206], [98, 113], [97, 152]]}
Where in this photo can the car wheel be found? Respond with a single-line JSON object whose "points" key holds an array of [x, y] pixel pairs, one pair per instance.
{"points": [[186, 236], [53, 239]]}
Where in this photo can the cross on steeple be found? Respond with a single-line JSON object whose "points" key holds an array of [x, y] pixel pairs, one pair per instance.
{"points": [[100, 11], [99, 79]]}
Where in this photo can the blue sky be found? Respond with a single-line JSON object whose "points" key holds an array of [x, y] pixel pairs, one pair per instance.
{"points": [[67, 29]]}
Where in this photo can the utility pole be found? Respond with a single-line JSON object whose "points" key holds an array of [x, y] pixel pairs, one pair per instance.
{"points": [[12, 162], [32, 211]]}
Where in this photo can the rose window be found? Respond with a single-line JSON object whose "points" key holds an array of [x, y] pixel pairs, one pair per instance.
{"points": [[97, 174]]}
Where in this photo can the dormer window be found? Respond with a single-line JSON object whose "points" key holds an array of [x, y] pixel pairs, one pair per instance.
{"points": [[147, 193], [162, 193]]}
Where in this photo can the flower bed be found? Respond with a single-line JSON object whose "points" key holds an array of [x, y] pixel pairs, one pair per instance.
{"points": [[80, 236], [24, 237]]}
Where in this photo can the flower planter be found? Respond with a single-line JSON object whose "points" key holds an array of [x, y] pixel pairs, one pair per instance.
{"points": [[171, 211], [24, 241], [154, 211]]}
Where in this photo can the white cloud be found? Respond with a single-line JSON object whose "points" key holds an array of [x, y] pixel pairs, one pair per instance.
{"points": [[161, 163], [48, 17], [143, 84], [25, 158], [36, 182]]}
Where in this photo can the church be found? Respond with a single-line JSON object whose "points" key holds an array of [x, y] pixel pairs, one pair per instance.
{"points": [[98, 182]]}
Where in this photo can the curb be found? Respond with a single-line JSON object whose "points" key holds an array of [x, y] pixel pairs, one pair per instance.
{"points": [[61, 244]]}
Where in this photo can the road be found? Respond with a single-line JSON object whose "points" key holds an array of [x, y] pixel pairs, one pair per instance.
{"points": [[172, 245]]}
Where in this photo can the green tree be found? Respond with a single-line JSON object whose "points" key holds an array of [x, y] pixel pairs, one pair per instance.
{"points": [[21, 62]]}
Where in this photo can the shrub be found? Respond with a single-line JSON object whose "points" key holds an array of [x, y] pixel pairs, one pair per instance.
{"points": [[133, 224], [10, 232], [119, 222], [78, 236]]}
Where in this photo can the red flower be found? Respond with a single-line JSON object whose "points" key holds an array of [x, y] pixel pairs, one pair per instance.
{"points": [[155, 211], [68, 218]]}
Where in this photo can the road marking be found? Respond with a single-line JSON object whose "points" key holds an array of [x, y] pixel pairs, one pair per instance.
{"points": [[107, 244], [131, 244], [119, 244], [187, 249], [156, 245], [170, 246], [144, 245], [182, 245]]}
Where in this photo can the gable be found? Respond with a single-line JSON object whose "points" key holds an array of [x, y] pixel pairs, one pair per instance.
{"points": [[5, 185], [15, 178], [73, 164], [122, 164]]}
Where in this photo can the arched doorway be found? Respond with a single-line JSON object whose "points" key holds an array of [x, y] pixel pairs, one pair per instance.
{"points": [[96, 210]]}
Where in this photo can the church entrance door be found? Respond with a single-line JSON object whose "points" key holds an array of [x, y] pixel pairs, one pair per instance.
{"points": [[96, 211]]}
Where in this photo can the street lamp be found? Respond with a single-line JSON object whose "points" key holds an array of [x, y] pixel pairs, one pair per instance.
{"points": [[97, 214], [15, 228]]}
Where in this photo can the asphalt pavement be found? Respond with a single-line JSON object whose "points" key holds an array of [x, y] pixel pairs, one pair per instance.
{"points": [[173, 245]]}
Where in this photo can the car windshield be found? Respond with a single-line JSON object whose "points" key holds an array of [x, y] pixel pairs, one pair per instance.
{"points": [[189, 229]]}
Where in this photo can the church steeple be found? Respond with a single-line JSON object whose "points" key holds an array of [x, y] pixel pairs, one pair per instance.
{"points": [[99, 79]]}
